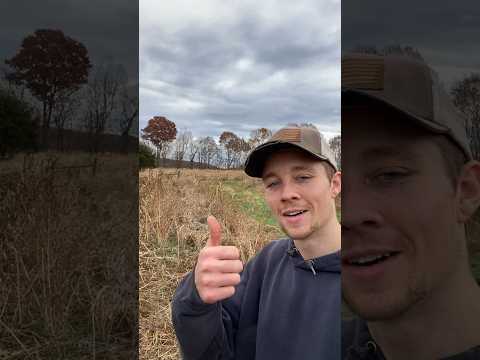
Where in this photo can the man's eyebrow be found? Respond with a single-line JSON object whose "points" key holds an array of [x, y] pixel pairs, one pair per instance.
{"points": [[302, 168], [295, 168], [387, 152], [268, 175]]}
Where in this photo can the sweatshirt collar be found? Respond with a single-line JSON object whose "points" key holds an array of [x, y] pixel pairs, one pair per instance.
{"points": [[364, 347], [326, 263]]}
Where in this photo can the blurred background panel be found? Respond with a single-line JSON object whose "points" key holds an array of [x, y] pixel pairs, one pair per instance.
{"points": [[442, 35], [69, 180]]}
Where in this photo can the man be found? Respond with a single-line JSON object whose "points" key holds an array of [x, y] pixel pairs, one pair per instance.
{"points": [[410, 186], [285, 304]]}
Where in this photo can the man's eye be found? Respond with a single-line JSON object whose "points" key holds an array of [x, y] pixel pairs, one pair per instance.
{"points": [[389, 176], [303, 177], [271, 184]]}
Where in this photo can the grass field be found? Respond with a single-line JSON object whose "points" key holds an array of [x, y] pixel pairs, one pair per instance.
{"points": [[68, 274], [174, 205], [68, 250]]}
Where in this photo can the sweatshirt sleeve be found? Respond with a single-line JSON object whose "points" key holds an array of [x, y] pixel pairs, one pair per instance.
{"points": [[205, 331]]}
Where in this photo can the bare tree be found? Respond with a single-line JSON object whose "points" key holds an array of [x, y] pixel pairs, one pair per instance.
{"points": [[63, 111], [193, 149], [128, 113], [102, 92], [466, 97], [164, 151], [181, 144], [335, 144], [208, 150]]}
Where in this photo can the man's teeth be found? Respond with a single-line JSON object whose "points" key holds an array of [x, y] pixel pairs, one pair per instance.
{"points": [[369, 259], [294, 213]]}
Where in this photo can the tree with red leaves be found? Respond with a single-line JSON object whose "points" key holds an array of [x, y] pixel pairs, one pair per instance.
{"points": [[160, 132], [229, 140], [259, 136], [234, 147], [52, 66]]}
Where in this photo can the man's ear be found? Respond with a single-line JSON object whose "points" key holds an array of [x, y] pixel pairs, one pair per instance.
{"points": [[336, 184], [468, 191]]}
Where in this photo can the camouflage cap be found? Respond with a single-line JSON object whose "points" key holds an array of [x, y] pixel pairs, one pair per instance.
{"points": [[304, 138], [409, 86]]}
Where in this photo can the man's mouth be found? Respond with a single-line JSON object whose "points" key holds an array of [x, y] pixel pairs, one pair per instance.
{"points": [[293, 213], [373, 259]]}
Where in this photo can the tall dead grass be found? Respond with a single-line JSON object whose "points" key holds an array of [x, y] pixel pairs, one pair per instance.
{"points": [[68, 267], [173, 209]]}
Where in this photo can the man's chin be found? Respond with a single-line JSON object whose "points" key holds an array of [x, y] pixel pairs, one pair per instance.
{"points": [[376, 309], [297, 234]]}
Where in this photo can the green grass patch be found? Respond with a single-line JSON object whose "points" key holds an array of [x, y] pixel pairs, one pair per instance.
{"points": [[250, 201]]}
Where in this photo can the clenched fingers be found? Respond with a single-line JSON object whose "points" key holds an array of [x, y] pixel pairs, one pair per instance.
{"points": [[220, 252], [215, 280], [213, 295]]}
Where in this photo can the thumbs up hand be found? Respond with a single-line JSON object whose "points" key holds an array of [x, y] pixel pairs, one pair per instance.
{"points": [[218, 267]]}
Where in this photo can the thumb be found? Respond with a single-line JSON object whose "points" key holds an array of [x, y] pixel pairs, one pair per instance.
{"points": [[214, 229]]}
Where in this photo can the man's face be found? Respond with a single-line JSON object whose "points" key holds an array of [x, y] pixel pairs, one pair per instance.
{"points": [[401, 238], [299, 192]]}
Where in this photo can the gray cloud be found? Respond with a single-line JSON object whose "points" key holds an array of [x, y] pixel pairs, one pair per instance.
{"points": [[446, 33], [237, 69], [108, 28]]}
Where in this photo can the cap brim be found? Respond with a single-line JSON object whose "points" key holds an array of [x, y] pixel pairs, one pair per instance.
{"points": [[428, 124], [256, 160]]}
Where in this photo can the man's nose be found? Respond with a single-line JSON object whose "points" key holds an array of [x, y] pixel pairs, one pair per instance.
{"points": [[359, 208], [289, 191]]}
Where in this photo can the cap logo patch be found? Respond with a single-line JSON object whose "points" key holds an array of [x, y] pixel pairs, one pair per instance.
{"points": [[288, 134], [363, 74]]}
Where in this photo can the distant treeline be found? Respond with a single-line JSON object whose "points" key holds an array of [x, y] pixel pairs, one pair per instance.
{"points": [[171, 163], [72, 140]]}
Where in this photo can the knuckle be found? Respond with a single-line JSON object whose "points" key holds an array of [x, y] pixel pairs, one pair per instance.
{"points": [[207, 281], [206, 265], [208, 297], [236, 279], [239, 266], [201, 256], [230, 291]]}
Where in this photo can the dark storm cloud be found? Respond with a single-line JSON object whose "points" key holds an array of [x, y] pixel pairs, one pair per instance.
{"points": [[108, 28], [446, 33], [244, 72]]}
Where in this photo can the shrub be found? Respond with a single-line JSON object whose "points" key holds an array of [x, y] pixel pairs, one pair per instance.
{"points": [[17, 128], [146, 156]]}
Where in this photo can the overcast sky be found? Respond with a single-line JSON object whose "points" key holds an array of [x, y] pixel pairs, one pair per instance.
{"points": [[446, 33], [108, 29], [240, 65]]}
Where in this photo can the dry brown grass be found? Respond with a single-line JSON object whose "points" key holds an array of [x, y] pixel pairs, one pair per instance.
{"points": [[174, 206], [67, 257]]}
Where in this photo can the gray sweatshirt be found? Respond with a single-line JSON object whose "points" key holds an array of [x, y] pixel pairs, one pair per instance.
{"points": [[283, 308]]}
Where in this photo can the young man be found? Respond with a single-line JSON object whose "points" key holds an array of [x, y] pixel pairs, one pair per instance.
{"points": [[410, 186], [285, 304]]}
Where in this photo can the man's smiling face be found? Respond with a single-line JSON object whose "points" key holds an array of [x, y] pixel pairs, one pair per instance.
{"points": [[299, 192], [400, 227]]}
